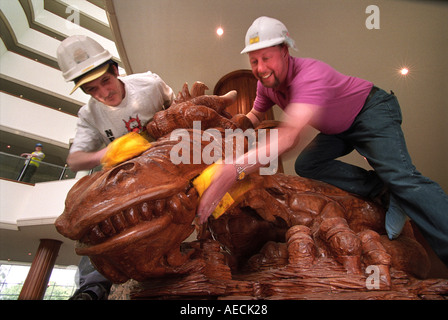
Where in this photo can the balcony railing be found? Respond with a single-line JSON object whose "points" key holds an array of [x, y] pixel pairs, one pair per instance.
{"points": [[13, 167]]}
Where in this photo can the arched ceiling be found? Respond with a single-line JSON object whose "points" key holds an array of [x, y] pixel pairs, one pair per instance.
{"points": [[30, 32]]}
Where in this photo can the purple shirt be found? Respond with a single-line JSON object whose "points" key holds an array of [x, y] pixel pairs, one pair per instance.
{"points": [[338, 98]]}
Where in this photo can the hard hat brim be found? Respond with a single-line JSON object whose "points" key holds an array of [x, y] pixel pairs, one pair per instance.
{"points": [[263, 44], [92, 75]]}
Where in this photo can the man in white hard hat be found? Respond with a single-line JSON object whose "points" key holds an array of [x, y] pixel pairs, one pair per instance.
{"points": [[351, 114], [118, 105]]}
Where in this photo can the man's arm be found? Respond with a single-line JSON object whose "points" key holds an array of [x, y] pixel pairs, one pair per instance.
{"points": [[256, 117], [80, 160], [298, 116]]}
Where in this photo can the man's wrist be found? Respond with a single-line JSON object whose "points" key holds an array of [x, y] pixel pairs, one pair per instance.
{"points": [[240, 173]]}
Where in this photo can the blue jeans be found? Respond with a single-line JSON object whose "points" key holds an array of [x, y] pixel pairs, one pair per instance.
{"points": [[91, 280], [376, 134]]}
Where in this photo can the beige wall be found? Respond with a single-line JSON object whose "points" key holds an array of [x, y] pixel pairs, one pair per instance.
{"points": [[176, 39]]}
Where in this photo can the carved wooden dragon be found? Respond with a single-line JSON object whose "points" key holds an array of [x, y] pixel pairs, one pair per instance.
{"points": [[132, 219]]}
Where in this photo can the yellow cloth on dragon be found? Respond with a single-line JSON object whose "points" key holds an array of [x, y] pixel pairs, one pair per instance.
{"points": [[203, 181], [124, 148]]}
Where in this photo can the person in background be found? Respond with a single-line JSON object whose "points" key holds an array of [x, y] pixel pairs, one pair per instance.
{"points": [[118, 105], [351, 114], [32, 163]]}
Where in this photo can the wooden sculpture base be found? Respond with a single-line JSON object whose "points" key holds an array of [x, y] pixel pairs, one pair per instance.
{"points": [[323, 280]]}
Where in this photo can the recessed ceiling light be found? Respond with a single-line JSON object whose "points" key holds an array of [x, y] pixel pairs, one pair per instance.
{"points": [[404, 71], [219, 31]]}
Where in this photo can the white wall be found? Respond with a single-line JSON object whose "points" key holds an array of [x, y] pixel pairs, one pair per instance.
{"points": [[25, 205], [24, 117], [37, 76], [27, 214]]}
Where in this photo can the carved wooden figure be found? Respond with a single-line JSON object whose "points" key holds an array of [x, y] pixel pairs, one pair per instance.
{"points": [[287, 237]]}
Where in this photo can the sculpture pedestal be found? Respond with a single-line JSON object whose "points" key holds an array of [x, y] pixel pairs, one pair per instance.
{"points": [[321, 280]]}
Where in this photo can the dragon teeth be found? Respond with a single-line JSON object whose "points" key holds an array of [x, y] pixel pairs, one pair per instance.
{"points": [[145, 211], [159, 207], [174, 204], [119, 222], [107, 227], [96, 235], [132, 216]]}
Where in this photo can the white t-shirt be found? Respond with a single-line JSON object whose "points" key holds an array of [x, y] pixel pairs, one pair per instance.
{"points": [[99, 124]]}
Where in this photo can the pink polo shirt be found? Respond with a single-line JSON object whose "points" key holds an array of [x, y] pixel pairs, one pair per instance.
{"points": [[338, 98]]}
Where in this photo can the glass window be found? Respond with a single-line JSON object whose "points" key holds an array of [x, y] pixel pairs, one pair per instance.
{"points": [[60, 287]]}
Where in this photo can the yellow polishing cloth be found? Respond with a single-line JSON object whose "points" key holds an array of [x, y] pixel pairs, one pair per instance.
{"points": [[202, 182], [124, 148]]}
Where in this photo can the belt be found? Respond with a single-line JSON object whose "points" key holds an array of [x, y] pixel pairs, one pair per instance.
{"points": [[371, 93]]}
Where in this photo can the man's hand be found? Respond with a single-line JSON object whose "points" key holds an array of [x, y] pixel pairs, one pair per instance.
{"points": [[222, 181], [80, 160]]}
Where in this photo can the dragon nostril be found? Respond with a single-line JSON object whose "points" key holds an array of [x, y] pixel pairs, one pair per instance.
{"points": [[119, 173]]}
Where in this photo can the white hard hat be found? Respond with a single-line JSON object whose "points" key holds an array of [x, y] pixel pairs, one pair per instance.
{"points": [[267, 32], [78, 55]]}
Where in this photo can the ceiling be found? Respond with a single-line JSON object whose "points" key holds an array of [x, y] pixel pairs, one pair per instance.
{"points": [[39, 18]]}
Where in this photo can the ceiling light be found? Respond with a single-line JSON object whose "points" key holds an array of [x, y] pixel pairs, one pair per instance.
{"points": [[219, 31], [404, 71]]}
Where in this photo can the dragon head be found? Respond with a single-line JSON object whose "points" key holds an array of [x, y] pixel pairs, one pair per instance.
{"points": [[131, 218], [136, 214]]}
